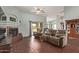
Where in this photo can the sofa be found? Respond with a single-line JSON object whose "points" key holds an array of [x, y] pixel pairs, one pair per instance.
{"points": [[55, 37], [58, 41]]}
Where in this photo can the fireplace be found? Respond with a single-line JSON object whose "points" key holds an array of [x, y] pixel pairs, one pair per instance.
{"points": [[2, 33], [13, 32]]}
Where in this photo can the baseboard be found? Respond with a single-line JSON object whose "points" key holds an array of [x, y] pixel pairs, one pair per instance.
{"points": [[73, 38], [26, 37]]}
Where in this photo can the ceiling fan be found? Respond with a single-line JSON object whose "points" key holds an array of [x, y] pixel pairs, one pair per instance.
{"points": [[38, 10]]}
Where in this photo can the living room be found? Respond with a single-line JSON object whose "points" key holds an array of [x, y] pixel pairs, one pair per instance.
{"points": [[52, 35]]}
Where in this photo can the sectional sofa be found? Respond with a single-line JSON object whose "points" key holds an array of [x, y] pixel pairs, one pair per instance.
{"points": [[55, 37]]}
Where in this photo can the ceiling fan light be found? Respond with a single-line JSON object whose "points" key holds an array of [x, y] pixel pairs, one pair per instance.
{"points": [[37, 12]]}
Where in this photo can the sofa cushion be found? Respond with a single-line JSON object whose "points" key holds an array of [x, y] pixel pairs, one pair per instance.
{"points": [[61, 32], [54, 40], [51, 32]]}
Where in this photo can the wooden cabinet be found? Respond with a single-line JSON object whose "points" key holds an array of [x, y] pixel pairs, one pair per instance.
{"points": [[77, 28], [73, 28]]}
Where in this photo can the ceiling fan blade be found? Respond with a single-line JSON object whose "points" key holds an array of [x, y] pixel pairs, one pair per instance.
{"points": [[42, 11]]}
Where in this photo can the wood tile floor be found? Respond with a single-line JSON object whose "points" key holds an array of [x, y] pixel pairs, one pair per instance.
{"points": [[5, 48], [31, 45]]}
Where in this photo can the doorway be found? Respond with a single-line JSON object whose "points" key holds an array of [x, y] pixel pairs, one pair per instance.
{"points": [[34, 27]]}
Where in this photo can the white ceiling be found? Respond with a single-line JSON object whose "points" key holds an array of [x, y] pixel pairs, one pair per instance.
{"points": [[50, 11]]}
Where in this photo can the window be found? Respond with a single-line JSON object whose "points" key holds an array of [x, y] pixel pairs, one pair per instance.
{"points": [[3, 18], [34, 25], [54, 26], [13, 18]]}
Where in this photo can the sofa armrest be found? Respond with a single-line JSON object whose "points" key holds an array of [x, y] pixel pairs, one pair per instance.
{"points": [[63, 41], [54, 40]]}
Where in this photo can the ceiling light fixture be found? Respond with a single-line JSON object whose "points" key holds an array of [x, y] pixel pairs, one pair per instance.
{"points": [[39, 10]]}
